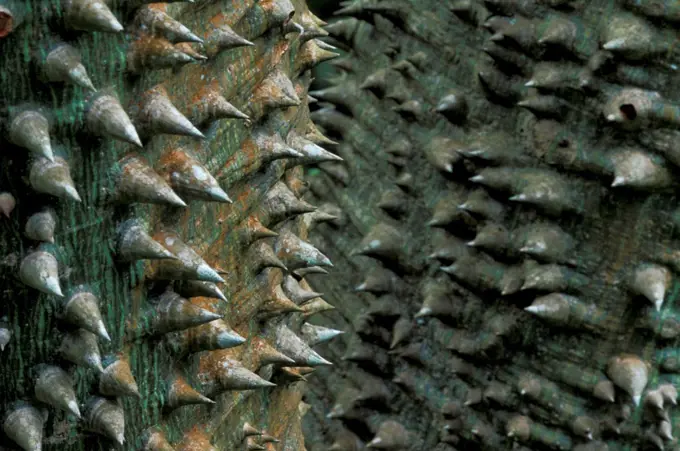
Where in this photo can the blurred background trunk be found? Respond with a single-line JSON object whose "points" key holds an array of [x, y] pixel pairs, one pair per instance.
{"points": [[505, 253]]}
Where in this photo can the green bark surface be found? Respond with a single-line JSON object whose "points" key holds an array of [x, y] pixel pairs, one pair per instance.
{"points": [[86, 232]]}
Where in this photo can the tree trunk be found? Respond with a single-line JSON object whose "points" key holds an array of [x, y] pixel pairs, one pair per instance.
{"points": [[142, 273], [506, 253]]}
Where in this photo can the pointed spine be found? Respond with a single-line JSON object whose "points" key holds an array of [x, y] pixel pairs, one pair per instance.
{"points": [[179, 393], [390, 435], [190, 178], [630, 373], [312, 53], [41, 226], [294, 290], [105, 418], [172, 313], [117, 378], [63, 64], [106, 117], [40, 270], [152, 53], [207, 337], [54, 386], [54, 178], [7, 204], [212, 106], [231, 375], [156, 114], [23, 424], [90, 15], [296, 253], [315, 335], [133, 243], [30, 129], [651, 281], [311, 153], [281, 203], [193, 288], [261, 256], [292, 346], [80, 347], [382, 242], [155, 20], [137, 182], [275, 91], [82, 310], [221, 38]]}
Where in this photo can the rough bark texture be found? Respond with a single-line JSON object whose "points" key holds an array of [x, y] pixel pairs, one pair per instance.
{"points": [[149, 67], [508, 222]]}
